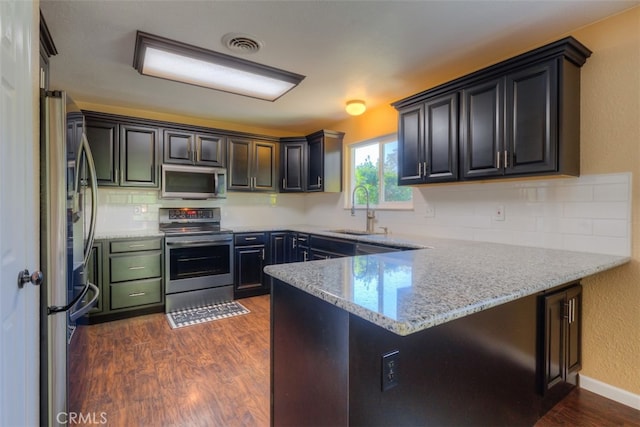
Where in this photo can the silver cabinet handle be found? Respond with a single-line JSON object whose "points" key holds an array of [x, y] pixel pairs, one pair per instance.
{"points": [[319, 181], [137, 294], [139, 267], [419, 168], [294, 243], [424, 168], [141, 245], [506, 163], [263, 258], [498, 160], [283, 183], [250, 238]]}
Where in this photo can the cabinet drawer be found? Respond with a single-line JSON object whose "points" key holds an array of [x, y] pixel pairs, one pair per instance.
{"points": [[136, 293], [244, 239], [135, 245], [338, 247], [133, 267]]}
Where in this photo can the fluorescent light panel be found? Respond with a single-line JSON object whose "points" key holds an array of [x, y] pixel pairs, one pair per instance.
{"points": [[159, 57]]}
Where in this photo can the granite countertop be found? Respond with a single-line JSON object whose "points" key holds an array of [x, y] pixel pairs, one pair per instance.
{"points": [[125, 234], [408, 291]]}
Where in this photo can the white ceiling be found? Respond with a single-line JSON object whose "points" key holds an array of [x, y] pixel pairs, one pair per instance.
{"points": [[379, 51]]}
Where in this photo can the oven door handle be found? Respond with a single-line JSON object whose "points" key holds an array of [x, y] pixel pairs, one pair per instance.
{"points": [[193, 243]]}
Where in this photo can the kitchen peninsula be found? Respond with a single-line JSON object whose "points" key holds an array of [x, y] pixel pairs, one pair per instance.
{"points": [[462, 333]]}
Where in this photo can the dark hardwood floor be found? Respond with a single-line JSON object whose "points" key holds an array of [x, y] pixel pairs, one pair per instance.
{"points": [[140, 372]]}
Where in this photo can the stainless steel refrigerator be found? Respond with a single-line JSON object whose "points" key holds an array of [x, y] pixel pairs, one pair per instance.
{"points": [[68, 210]]}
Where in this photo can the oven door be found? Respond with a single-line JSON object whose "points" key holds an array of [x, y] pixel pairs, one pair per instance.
{"points": [[198, 262]]}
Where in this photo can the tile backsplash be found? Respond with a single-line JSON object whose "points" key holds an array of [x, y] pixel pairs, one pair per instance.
{"points": [[591, 213]]}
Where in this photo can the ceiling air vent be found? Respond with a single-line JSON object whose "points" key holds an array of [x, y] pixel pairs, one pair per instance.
{"points": [[241, 43]]}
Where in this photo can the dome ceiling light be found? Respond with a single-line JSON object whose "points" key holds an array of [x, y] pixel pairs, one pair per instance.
{"points": [[356, 107]]}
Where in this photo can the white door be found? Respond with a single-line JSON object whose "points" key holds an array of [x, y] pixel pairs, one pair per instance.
{"points": [[19, 228]]}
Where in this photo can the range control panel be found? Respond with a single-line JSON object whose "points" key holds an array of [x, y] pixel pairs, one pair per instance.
{"points": [[189, 215], [185, 213]]}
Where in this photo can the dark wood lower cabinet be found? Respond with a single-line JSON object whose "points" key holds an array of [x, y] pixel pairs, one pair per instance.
{"points": [[327, 367], [129, 274], [560, 323], [249, 261]]}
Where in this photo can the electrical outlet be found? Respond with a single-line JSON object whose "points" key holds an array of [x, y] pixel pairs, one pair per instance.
{"points": [[390, 370], [430, 211], [498, 215]]}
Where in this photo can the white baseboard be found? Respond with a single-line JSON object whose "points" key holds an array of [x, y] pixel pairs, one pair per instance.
{"points": [[610, 392]]}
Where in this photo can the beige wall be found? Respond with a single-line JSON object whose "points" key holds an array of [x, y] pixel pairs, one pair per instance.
{"points": [[610, 138], [610, 142]]}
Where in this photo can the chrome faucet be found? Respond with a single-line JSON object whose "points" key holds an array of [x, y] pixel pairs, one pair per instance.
{"points": [[371, 215]]}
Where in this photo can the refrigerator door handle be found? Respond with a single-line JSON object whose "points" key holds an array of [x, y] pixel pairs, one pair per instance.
{"points": [[59, 309], [94, 196], [89, 305]]}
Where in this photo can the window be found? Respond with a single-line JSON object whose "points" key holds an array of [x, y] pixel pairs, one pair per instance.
{"points": [[374, 164]]}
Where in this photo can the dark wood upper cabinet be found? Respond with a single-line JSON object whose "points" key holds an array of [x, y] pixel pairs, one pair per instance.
{"points": [[429, 131], [411, 149], [532, 119], [441, 138], [520, 117], [194, 148], [292, 164], [482, 129], [324, 161], [264, 166], [252, 165], [139, 155], [125, 153], [312, 163], [103, 139]]}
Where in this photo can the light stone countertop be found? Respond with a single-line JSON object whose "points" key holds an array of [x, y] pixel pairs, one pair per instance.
{"points": [[409, 291], [441, 280], [126, 234]]}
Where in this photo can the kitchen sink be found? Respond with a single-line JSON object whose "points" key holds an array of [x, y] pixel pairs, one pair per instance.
{"points": [[351, 232]]}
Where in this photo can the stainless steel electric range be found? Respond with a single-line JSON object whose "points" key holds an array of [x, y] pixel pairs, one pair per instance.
{"points": [[198, 258]]}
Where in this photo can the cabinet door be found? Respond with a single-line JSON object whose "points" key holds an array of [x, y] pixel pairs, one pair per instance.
{"points": [[278, 248], [482, 130], [554, 332], [292, 170], [441, 139], [239, 158], [561, 337], [178, 147], [315, 163], [103, 140], [301, 252], [210, 150], [74, 134], [411, 145], [249, 262], [531, 108], [264, 166], [139, 154], [574, 329]]}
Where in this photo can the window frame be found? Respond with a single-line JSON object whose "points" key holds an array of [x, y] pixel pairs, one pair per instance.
{"points": [[350, 184]]}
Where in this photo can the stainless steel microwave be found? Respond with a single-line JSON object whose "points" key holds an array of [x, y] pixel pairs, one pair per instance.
{"points": [[193, 182]]}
